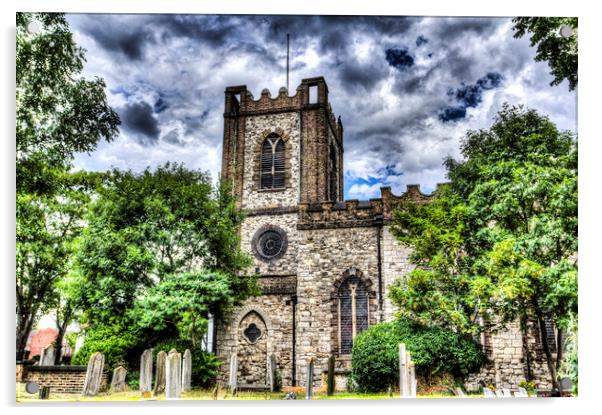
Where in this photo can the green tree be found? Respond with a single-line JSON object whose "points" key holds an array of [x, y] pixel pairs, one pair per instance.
{"points": [[161, 251], [500, 243], [560, 52], [57, 113]]}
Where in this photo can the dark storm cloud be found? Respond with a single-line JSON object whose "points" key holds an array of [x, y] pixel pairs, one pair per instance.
{"points": [[469, 96], [137, 118], [387, 77], [399, 58], [160, 105], [127, 40], [421, 40]]}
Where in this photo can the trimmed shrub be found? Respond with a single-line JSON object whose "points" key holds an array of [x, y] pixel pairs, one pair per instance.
{"points": [[435, 351]]}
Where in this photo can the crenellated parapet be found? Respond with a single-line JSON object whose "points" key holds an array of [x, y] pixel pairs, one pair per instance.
{"points": [[356, 213]]}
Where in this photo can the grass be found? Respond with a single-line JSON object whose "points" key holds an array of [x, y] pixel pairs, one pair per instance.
{"points": [[201, 395]]}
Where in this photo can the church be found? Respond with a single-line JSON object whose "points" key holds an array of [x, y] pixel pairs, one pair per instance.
{"points": [[324, 263]]}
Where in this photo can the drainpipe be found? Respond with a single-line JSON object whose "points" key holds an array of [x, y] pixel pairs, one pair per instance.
{"points": [[294, 360], [378, 222]]}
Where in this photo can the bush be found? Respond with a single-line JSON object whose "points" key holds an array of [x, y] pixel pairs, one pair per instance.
{"points": [[435, 351], [204, 365], [113, 341]]}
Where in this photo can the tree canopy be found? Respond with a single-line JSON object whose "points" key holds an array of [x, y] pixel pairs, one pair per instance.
{"points": [[559, 51], [499, 243], [58, 113]]}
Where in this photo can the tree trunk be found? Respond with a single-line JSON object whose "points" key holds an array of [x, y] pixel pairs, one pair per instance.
{"points": [[58, 342], [546, 349], [559, 348], [24, 325], [524, 328]]}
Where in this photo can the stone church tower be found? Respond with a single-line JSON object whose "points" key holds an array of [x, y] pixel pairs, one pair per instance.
{"points": [[324, 263]]}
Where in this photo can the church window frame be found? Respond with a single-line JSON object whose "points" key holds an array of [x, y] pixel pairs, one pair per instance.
{"points": [[353, 310], [265, 234], [272, 163]]}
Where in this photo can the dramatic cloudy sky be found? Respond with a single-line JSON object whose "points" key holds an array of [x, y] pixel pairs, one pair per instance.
{"points": [[406, 88]]}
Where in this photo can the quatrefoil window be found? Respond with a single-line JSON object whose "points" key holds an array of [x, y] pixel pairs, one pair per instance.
{"points": [[252, 333]]}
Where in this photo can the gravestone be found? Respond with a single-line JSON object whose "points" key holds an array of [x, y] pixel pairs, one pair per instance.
{"points": [[186, 371], [93, 374], [506, 393], [413, 383], [146, 371], [118, 382], [160, 373], [405, 381], [47, 356], [310, 379], [232, 375], [173, 375]]}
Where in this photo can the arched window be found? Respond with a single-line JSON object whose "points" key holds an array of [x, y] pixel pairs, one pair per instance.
{"points": [[272, 163], [353, 307], [333, 172]]}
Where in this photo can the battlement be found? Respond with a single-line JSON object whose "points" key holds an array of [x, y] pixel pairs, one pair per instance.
{"points": [[356, 213], [312, 93]]}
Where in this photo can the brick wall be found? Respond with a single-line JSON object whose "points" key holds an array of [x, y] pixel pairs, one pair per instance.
{"points": [[61, 379]]}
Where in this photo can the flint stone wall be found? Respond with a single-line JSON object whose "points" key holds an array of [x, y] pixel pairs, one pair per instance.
{"points": [[257, 127]]}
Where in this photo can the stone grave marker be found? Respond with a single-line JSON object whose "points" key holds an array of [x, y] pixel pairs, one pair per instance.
{"points": [[521, 393], [93, 374], [506, 393], [47, 356], [186, 371], [173, 375], [310, 379], [146, 371], [232, 376], [118, 382], [160, 373]]}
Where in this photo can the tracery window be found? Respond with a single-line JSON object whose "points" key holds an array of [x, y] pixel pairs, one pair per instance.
{"points": [[272, 163], [353, 307]]}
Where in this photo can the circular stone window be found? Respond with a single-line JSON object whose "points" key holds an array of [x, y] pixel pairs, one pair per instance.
{"points": [[269, 243]]}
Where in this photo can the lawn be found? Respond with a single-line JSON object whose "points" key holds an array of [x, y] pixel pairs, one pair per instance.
{"points": [[200, 395]]}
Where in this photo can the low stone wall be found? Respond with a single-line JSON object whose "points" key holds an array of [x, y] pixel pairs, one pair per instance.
{"points": [[60, 379]]}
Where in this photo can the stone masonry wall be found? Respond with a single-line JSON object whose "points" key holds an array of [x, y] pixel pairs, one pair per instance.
{"points": [[285, 265], [507, 364], [395, 265], [276, 313], [255, 129], [324, 256]]}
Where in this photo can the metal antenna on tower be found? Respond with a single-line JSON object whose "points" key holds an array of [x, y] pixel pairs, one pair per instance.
{"points": [[287, 51]]}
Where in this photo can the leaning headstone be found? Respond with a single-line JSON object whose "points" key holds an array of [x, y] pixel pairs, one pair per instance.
{"points": [[94, 374], [146, 371], [459, 393], [186, 371], [506, 393], [403, 371], [310, 379], [488, 393], [118, 382], [232, 375], [160, 373], [173, 375], [47, 356]]}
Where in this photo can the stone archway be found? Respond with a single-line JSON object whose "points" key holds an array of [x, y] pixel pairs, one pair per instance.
{"points": [[253, 347]]}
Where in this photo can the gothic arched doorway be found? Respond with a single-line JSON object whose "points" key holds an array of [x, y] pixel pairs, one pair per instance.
{"points": [[252, 350]]}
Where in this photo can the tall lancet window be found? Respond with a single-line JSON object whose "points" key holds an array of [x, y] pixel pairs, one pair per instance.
{"points": [[272, 163], [353, 312], [333, 173]]}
